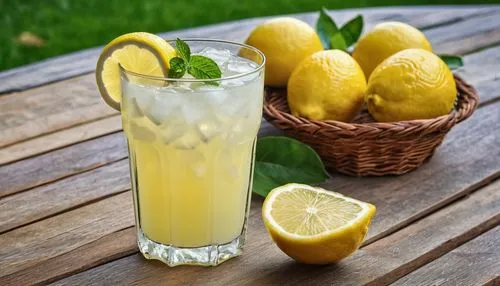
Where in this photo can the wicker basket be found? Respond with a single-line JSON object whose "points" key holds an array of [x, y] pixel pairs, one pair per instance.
{"points": [[365, 147]]}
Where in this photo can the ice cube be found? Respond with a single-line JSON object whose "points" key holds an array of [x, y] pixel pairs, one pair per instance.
{"points": [[142, 133], [165, 106], [215, 95], [174, 129], [196, 162], [236, 105], [219, 56], [143, 97], [239, 132], [195, 108], [190, 140], [232, 82], [209, 128], [133, 108], [181, 86]]}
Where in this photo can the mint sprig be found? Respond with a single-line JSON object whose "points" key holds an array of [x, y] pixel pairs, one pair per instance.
{"points": [[200, 67]]}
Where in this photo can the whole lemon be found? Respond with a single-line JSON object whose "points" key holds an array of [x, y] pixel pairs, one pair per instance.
{"points": [[284, 42], [384, 40], [327, 85], [411, 84]]}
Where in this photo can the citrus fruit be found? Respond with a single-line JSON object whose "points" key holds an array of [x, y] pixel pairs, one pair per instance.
{"points": [[411, 84], [384, 40], [313, 225], [285, 42], [139, 52], [327, 85]]}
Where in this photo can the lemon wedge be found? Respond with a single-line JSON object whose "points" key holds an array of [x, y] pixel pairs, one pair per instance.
{"points": [[140, 52], [313, 225]]}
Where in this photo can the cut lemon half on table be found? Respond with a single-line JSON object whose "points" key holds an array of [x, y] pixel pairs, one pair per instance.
{"points": [[313, 225], [139, 52]]}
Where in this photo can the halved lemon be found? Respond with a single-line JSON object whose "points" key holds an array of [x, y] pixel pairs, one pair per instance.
{"points": [[313, 225], [139, 52]]}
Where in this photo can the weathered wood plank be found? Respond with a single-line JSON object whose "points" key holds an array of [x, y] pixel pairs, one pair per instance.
{"points": [[78, 63], [468, 35], [45, 110], [51, 166], [107, 248], [60, 139], [379, 263], [474, 263], [45, 201], [50, 108], [404, 199], [29, 245]]}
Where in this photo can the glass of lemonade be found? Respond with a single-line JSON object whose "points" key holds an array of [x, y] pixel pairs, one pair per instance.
{"points": [[191, 144]]}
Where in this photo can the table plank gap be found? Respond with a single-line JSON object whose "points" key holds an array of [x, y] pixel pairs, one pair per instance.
{"points": [[457, 18], [29, 245], [71, 192], [59, 164], [473, 263], [434, 208], [108, 248], [59, 139]]}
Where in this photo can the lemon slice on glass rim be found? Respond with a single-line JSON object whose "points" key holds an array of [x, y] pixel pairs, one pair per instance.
{"points": [[139, 52], [313, 225]]}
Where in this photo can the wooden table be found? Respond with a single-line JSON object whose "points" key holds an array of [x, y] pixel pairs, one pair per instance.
{"points": [[66, 211]]}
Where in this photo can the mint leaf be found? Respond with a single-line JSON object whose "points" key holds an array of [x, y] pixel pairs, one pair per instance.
{"points": [[326, 28], [281, 160], [183, 49], [177, 68], [337, 41], [453, 62], [352, 30], [198, 66], [203, 68]]}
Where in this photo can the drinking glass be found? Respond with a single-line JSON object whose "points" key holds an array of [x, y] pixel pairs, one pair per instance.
{"points": [[191, 146]]}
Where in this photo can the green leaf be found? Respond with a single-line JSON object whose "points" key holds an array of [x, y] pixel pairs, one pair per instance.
{"points": [[203, 68], [326, 28], [282, 160], [453, 62], [352, 30], [177, 68], [337, 42], [183, 49]]}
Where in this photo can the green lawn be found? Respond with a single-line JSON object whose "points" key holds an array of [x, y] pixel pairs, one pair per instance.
{"points": [[71, 25]]}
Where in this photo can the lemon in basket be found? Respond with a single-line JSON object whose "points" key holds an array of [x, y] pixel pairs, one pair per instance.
{"points": [[313, 225], [327, 85], [384, 40], [285, 42], [411, 84]]}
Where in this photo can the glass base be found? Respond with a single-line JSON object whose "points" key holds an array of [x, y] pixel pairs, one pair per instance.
{"points": [[210, 255]]}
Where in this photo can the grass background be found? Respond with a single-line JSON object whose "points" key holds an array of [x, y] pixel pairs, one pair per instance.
{"points": [[71, 25]]}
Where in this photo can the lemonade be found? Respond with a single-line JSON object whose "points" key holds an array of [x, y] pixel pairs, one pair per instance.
{"points": [[191, 146]]}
